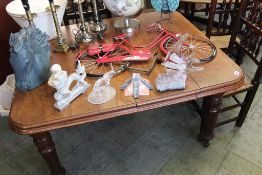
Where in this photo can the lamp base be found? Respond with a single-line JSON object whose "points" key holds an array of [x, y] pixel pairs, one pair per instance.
{"points": [[61, 45], [127, 25], [164, 19], [87, 37], [83, 35], [98, 27]]}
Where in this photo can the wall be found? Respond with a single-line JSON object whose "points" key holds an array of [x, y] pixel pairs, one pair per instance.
{"points": [[8, 25]]}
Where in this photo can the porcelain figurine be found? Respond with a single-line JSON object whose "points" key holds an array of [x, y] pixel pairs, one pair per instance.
{"points": [[61, 82]]}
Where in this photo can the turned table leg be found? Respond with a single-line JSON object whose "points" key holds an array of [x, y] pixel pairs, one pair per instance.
{"points": [[46, 148], [210, 111]]}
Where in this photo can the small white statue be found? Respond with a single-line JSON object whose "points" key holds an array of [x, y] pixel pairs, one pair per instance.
{"points": [[102, 91], [61, 82]]}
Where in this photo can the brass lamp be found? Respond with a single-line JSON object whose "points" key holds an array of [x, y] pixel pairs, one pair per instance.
{"points": [[97, 26], [83, 34], [61, 43], [29, 15]]}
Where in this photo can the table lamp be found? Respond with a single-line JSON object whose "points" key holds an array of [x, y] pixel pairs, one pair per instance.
{"points": [[61, 44], [83, 34], [97, 26]]}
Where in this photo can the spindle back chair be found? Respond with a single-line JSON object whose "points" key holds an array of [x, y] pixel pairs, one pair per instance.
{"points": [[221, 19], [246, 39]]}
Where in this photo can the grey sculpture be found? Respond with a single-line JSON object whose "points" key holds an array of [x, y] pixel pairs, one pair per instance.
{"points": [[29, 57]]}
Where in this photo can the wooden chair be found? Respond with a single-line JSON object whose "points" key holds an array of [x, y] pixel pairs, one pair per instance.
{"points": [[217, 14], [246, 39], [220, 21], [71, 12], [191, 7]]}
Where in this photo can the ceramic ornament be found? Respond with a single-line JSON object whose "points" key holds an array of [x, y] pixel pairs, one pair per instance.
{"points": [[178, 59], [61, 82], [29, 57], [136, 86], [165, 6], [102, 91], [174, 58], [171, 80], [176, 68], [175, 62]]}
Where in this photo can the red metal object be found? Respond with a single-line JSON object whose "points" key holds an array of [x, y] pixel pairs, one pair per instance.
{"points": [[106, 53], [96, 49], [100, 58], [134, 55], [120, 37]]}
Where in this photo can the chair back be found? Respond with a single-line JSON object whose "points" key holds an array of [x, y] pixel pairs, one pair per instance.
{"points": [[221, 17], [247, 35]]}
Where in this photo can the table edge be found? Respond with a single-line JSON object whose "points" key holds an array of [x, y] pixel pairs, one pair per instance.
{"points": [[70, 121], [222, 88]]}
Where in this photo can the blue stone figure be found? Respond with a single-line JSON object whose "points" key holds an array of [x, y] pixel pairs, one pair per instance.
{"points": [[165, 6], [29, 57]]}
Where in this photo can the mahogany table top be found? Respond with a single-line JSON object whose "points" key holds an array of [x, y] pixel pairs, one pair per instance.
{"points": [[33, 111]]}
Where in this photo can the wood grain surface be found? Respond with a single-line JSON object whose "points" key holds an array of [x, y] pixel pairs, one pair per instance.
{"points": [[33, 112]]}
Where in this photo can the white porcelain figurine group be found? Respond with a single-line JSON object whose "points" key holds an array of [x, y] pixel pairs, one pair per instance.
{"points": [[102, 91]]}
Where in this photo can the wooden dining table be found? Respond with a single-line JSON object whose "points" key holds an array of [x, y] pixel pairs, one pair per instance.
{"points": [[33, 113]]}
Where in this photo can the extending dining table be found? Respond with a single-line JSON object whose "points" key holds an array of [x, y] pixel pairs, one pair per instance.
{"points": [[33, 113]]}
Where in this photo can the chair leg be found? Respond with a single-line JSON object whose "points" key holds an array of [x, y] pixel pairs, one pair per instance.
{"points": [[108, 14], [247, 103], [193, 8], [179, 8], [66, 21], [186, 9], [207, 9], [240, 56]]}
